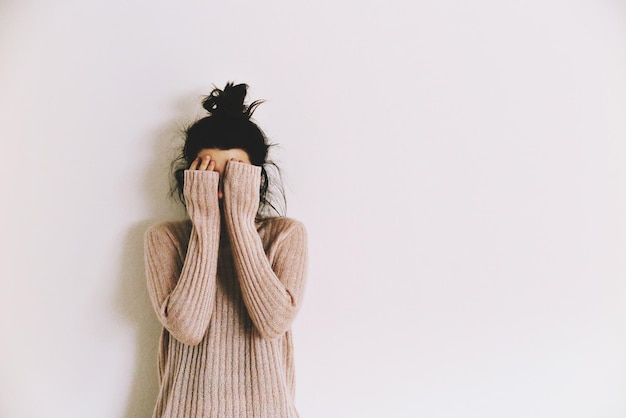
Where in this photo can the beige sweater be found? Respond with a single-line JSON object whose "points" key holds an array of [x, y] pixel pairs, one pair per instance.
{"points": [[226, 287]]}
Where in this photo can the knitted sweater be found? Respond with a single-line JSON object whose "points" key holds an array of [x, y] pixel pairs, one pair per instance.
{"points": [[226, 287]]}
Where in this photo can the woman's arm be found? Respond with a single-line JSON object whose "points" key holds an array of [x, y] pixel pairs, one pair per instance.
{"points": [[273, 292], [182, 286]]}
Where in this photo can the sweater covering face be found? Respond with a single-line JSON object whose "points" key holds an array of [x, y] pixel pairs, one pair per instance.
{"points": [[226, 287]]}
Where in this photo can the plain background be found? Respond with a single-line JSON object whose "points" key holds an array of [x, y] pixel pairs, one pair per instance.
{"points": [[460, 168]]}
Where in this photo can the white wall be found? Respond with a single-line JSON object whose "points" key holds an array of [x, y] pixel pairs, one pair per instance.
{"points": [[459, 166]]}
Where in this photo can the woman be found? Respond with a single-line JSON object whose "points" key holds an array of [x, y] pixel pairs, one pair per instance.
{"points": [[227, 283]]}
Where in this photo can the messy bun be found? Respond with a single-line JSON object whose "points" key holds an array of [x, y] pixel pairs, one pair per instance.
{"points": [[229, 102]]}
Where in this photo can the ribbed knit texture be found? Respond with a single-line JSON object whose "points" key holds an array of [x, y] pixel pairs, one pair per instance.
{"points": [[226, 289]]}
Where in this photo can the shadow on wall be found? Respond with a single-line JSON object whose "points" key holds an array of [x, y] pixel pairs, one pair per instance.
{"points": [[132, 299]]}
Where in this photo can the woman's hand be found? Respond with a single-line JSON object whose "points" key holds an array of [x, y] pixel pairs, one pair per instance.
{"points": [[221, 188], [206, 163], [241, 186], [201, 185]]}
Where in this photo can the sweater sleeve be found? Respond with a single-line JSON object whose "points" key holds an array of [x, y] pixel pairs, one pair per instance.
{"points": [[272, 292], [182, 285]]}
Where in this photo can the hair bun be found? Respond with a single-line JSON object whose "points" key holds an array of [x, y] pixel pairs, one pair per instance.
{"points": [[229, 102]]}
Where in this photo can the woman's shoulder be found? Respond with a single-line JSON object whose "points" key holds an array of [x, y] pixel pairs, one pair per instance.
{"points": [[278, 226], [175, 230]]}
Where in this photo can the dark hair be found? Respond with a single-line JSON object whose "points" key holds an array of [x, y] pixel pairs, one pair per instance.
{"points": [[228, 126]]}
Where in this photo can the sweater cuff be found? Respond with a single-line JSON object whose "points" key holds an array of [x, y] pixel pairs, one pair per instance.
{"points": [[200, 189], [242, 183]]}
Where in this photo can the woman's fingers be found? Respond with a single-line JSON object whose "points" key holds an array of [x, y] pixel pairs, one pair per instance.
{"points": [[205, 162]]}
